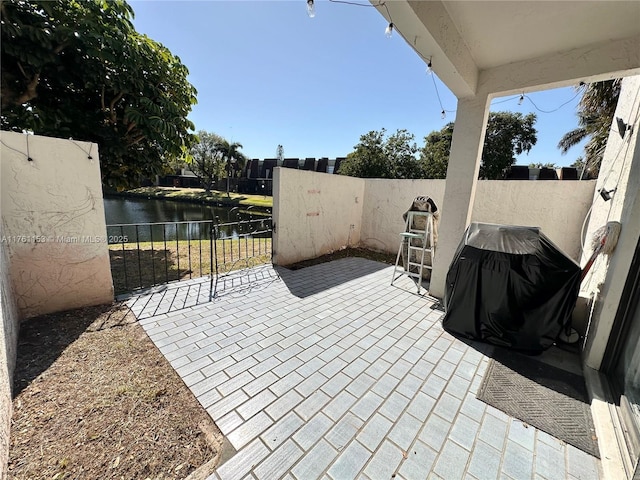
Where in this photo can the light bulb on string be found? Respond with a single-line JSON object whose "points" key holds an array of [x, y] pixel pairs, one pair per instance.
{"points": [[389, 30], [311, 9], [521, 99], [443, 114], [429, 67]]}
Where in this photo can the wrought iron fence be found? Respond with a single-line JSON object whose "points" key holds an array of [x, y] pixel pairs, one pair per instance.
{"points": [[148, 254], [233, 250]]}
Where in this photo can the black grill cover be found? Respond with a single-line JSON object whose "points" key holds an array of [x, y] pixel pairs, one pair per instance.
{"points": [[510, 286]]}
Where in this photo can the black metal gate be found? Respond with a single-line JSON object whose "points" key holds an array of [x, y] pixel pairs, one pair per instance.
{"points": [[145, 255], [166, 266], [238, 247]]}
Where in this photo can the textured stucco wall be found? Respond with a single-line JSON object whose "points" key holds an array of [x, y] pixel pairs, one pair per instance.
{"points": [[9, 326], [54, 224], [384, 203], [620, 170], [314, 213], [558, 207]]}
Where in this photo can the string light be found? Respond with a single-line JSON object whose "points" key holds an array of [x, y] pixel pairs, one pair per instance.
{"points": [[389, 30], [522, 97], [555, 109], [29, 159], [18, 151], [443, 112], [357, 4], [27, 155], [88, 154]]}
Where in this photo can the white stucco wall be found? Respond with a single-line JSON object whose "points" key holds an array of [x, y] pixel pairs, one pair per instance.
{"points": [[620, 169], [54, 224], [9, 326], [384, 203], [557, 207], [314, 213]]}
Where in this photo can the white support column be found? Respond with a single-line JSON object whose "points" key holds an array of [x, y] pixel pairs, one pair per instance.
{"points": [[460, 189]]}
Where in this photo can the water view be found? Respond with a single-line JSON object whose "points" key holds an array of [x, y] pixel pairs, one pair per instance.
{"points": [[175, 220]]}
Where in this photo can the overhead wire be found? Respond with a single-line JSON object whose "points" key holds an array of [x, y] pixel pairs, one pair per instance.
{"points": [[443, 110]]}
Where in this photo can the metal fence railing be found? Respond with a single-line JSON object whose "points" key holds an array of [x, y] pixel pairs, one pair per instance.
{"points": [[237, 246], [143, 255]]}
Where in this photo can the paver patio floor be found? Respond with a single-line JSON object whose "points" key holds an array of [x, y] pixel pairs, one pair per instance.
{"points": [[331, 372]]}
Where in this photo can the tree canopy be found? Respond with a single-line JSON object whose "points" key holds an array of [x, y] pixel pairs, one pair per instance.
{"points": [[378, 157], [213, 157], [234, 159], [434, 156], [207, 161], [595, 115], [80, 69], [508, 134]]}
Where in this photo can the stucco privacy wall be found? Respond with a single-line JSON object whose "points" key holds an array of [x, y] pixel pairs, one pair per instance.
{"points": [[54, 224], [314, 213], [9, 325], [384, 203], [557, 207], [620, 170]]}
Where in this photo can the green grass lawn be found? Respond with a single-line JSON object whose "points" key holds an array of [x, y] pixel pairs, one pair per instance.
{"points": [[156, 263], [199, 195]]}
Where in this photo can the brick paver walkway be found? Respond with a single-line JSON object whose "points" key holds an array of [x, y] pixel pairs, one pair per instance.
{"points": [[331, 373]]}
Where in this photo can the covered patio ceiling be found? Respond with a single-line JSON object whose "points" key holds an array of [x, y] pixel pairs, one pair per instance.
{"points": [[485, 49], [510, 46]]}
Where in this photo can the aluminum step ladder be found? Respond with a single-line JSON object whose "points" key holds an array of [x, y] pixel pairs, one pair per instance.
{"points": [[415, 243]]}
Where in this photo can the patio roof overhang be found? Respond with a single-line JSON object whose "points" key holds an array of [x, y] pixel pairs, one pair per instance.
{"points": [[513, 46], [485, 49]]}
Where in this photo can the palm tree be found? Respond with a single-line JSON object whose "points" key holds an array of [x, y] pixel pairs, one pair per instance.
{"points": [[595, 114], [234, 158]]}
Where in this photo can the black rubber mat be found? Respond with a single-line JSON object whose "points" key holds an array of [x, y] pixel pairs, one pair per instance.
{"points": [[548, 398]]}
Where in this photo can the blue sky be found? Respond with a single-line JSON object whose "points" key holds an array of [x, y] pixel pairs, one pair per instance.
{"points": [[267, 74]]}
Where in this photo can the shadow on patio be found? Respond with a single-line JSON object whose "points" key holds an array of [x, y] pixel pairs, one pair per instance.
{"points": [[307, 281], [348, 377]]}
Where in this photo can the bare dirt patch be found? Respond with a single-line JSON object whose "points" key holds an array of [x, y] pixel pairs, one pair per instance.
{"points": [[94, 398]]}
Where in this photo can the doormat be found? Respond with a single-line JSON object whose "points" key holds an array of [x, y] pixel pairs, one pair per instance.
{"points": [[545, 397]]}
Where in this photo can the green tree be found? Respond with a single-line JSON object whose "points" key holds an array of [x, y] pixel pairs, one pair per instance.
{"points": [[79, 69], [434, 156], [595, 115], [508, 134], [378, 157], [401, 149], [368, 159], [233, 158], [207, 161]]}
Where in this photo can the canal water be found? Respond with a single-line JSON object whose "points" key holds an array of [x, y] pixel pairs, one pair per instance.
{"points": [[194, 220]]}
